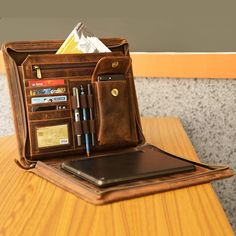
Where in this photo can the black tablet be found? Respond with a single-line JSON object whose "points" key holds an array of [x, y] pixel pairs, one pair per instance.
{"points": [[111, 170]]}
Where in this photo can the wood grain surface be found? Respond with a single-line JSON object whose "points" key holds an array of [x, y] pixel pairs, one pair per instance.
{"points": [[29, 205]]}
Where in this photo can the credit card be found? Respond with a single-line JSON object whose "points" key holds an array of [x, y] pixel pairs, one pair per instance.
{"points": [[52, 135], [47, 91], [48, 99], [47, 82], [48, 108]]}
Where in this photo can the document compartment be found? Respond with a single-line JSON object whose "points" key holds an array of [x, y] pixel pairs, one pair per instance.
{"points": [[49, 82]]}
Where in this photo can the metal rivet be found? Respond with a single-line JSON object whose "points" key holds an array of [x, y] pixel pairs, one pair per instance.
{"points": [[115, 92], [114, 64]]}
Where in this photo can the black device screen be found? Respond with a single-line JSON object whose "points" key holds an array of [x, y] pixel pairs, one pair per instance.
{"points": [[111, 170]]}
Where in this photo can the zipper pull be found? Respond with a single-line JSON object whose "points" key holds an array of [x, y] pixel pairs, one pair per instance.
{"points": [[38, 72]]}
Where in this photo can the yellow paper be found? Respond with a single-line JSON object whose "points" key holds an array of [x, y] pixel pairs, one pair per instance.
{"points": [[80, 40], [70, 45]]}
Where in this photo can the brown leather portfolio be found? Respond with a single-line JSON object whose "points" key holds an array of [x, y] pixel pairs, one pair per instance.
{"points": [[49, 130]]}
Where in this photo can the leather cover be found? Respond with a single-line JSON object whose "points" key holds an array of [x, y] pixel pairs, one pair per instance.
{"points": [[21, 59]]}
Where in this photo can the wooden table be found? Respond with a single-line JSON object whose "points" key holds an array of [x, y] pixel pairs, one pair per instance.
{"points": [[30, 205]]}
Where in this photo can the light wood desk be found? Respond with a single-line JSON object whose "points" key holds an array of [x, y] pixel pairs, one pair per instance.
{"points": [[30, 205]]}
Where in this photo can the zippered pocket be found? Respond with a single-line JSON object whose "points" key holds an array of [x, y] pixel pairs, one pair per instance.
{"points": [[61, 65], [57, 70]]}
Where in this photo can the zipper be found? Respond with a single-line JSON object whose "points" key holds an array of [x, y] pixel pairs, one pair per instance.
{"points": [[54, 49], [40, 68], [38, 72]]}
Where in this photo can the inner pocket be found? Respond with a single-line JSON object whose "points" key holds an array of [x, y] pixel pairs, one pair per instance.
{"points": [[113, 113], [50, 115], [50, 136]]}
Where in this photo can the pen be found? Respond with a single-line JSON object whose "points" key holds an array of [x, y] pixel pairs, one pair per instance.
{"points": [[84, 115], [77, 114], [91, 114]]}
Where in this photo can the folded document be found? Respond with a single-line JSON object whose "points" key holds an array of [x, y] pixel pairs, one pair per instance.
{"points": [[81, 40]]}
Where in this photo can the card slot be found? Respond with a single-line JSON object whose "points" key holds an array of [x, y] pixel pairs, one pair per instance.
{"points": [[53, 135], [38, 83], [47, 95], [48, 115], [46, 120], [48, 103], [41, 112], [44, 87], [44, 83], [47, 100], [46, 91]]}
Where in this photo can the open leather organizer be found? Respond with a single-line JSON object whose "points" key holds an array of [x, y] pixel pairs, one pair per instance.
{"points": [[115, 124]]}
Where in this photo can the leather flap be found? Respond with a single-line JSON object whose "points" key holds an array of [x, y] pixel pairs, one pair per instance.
{"points": [[112, 65], [52, 172]]}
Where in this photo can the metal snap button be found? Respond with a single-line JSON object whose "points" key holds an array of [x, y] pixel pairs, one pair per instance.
{"points": [[114, 64], [115, 92]]}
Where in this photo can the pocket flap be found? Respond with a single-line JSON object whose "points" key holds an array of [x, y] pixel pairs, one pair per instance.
{"points": [[112, 65]]}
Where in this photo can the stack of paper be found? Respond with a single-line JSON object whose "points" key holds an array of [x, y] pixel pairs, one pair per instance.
{"points": [[81, 40]]}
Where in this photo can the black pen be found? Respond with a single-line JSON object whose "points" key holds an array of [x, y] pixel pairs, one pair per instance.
{"points": [[77, 114], [91, 114], [84, 115]]}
